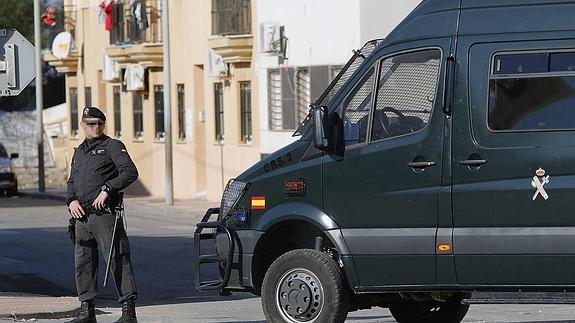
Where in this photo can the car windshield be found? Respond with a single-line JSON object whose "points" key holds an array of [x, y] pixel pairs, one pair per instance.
{"points": [[359, 56], [3, 153]]}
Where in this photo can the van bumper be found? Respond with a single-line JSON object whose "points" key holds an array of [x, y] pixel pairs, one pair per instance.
{"points": [[231, 250], [7, 180]]}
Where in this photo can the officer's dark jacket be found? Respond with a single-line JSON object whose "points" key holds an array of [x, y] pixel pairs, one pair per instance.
{"points": [[98, 162]]}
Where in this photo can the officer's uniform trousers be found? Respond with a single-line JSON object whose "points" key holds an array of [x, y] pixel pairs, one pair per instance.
{"points": [[93, 231]]}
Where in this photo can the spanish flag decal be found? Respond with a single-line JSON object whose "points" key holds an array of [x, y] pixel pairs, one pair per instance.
{"points": [[258, 202]]}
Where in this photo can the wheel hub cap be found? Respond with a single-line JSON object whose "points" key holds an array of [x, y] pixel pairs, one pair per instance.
{"points": [[300, 295]]}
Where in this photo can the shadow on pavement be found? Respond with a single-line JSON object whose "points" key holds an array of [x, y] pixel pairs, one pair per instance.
{"points": [[16, 202], [40, 261]]}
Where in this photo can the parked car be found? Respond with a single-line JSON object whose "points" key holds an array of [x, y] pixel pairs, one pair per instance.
{"points": [[8, 179], [439, 163]]}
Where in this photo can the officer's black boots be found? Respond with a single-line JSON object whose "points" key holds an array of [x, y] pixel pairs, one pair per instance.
{"points": [[128, 312], [87, 313]]}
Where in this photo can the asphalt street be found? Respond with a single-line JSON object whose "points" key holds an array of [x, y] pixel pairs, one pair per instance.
{"points": [[36, 257]]}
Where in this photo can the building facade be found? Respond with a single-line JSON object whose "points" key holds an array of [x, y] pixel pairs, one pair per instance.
{"points": [[302, 47], [116, 63], [240, 82]]}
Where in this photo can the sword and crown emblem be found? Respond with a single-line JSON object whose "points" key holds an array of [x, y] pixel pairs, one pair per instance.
{"points": [[538, 182]]}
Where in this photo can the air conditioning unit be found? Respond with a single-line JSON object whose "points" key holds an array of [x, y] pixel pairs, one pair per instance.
{"points": [[217, 67], [271, 34]]}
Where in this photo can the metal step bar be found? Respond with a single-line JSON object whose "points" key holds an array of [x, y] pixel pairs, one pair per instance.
{"points": [[212, 258], [521, 298]]}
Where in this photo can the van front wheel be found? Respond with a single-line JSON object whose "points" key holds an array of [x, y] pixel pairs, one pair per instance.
{"points": [[451, 311], [305, 285]]}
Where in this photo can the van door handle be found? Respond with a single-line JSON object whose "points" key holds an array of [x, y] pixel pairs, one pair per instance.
{"points": [[472, 162], [421, 164]]}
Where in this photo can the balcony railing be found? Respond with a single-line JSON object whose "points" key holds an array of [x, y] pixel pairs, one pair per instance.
{"points": [[133, 24], [231, 17], [56, 19]]}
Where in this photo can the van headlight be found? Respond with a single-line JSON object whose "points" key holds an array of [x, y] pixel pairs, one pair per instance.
{"points": [[231, 195], [5, 169]]}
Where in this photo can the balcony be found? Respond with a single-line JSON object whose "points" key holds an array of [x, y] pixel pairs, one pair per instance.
{"points": [[55, 20], [231, 30], [136, 34]]}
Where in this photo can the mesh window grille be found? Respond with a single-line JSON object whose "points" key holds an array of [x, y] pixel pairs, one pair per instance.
{"points": [[117, 112], [356, 109], [407, 91], [348, 70]]}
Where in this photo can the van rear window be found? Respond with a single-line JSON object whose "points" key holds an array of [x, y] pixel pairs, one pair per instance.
{"points": [[528, 104], [532, 91]]}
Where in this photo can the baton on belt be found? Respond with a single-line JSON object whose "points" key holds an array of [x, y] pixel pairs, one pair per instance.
{"points": [[119, 211]]}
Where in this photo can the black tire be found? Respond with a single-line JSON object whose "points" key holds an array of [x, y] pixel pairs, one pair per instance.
{"points": [[305, 285], [12, 191], [451, 311]]}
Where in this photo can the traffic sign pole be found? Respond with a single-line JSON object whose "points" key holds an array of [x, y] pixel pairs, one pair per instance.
{"points": [[39, 97]]}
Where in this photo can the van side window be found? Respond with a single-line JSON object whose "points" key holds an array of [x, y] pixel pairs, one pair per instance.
{"points": [[356, 109], [530, 92], [407, 91], [3, 152]]}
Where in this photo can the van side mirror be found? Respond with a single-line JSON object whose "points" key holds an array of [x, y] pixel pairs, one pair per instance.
{"points": [[320, 138], [14, 156]]}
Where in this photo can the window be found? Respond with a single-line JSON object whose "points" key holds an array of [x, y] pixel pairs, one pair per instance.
{"points": [[525, 96], [159, 111], [356, 109], [275, 100], [138, 116], [181, 112], [406, 94], [219, 109], [73, 111], [246, 111], [117, 112], [231, 17], [88, 96], [303, 93]]}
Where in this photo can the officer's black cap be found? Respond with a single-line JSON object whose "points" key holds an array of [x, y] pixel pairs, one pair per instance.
{"points": [[93, 112]]}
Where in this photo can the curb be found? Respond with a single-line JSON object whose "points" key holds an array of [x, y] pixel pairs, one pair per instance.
{"points": [[40, 315]]}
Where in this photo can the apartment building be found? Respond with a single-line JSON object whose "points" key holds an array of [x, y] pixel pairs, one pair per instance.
{"points": [[115, 62], [302, 46]]}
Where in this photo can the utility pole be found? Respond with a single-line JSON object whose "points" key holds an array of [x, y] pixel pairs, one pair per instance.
{"points": [[167, 105], [39, 98]]}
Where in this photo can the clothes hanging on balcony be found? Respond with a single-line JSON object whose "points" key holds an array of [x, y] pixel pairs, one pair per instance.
{"points": [[111, 69], [134, 77], [138, 10], [107, 6], [49, 17]]}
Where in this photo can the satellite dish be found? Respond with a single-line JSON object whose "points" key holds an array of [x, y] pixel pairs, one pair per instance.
{"points": [[61, 45]]}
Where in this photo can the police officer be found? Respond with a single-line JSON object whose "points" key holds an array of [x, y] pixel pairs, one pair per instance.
{"points": [[101, 167]]}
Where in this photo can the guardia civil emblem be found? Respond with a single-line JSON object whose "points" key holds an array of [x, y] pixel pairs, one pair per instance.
{"points": [[538, 182]]}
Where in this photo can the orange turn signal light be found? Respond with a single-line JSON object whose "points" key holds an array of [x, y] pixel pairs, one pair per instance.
{"points": [[444, 247]]}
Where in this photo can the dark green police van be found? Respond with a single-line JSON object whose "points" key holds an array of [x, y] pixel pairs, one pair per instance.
{"points": [[440, 162]]}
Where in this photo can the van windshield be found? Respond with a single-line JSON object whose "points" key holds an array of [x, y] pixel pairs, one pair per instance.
{"points": [[359, 56]]}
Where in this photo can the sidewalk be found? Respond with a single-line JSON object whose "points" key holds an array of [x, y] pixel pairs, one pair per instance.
{"points": [[28, 306]]}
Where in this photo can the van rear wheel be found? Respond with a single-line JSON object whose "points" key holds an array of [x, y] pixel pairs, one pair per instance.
{"points": [[410, 311], [305, 285]]}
